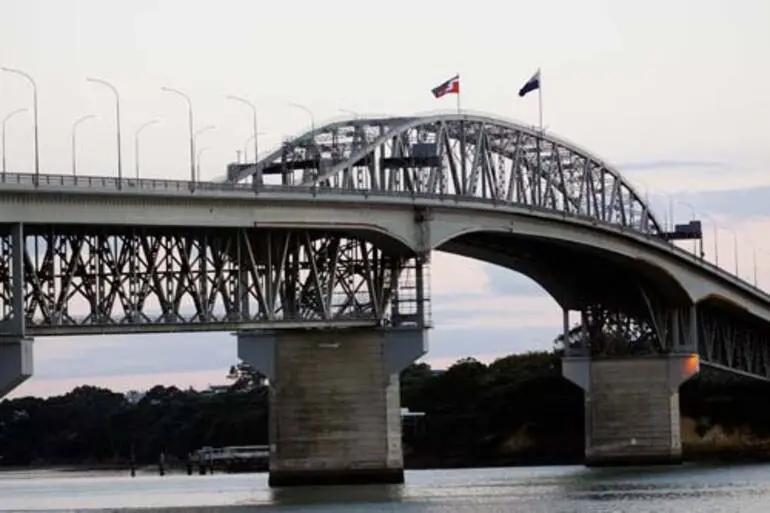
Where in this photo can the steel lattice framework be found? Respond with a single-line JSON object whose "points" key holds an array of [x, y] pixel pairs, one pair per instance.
{"points": [[464, 155], [116, 279], [490, 159]]}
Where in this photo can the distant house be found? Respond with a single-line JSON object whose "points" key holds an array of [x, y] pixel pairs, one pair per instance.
{"points": [[216, 389], [134, 396]]}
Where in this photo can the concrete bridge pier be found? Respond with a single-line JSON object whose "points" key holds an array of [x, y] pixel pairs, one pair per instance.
{"points": [[16, 358], [15, 363], [632, 407], [335, 415]]}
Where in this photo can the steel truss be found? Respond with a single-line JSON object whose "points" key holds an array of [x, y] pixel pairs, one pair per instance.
{"points": [[734, 341], [723, 338], [467, 156], [604, 332], [102, 279]]}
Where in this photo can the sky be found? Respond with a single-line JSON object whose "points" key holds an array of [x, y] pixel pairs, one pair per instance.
{"points": [[674, 93]]}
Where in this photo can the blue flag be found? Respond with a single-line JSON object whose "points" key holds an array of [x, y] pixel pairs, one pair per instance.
{"points": [[532, 84]]}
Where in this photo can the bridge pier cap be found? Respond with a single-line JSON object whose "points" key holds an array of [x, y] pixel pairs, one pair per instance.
{"points": [[335, 415]]}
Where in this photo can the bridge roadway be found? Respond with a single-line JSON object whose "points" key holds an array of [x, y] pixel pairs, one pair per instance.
{"points": [[345, 246]]}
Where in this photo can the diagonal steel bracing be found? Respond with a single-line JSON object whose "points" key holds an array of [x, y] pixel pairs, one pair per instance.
{"points": [[734, 341], [103, 279], [723, 337], [465, 156]]}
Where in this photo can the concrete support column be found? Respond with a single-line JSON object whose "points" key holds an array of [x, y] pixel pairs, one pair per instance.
{"points": [[632, 407], [335, 415], [15, 363], [15, 348]]}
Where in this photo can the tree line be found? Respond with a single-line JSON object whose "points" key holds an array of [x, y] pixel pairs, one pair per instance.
{"points": [[518, 409]]}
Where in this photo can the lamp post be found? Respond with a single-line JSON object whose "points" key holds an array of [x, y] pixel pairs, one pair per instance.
{"points": [[694, 218], [351, 112], [254, 128], [117, 122], [136, 142], [246, 146], [74, 140], [195, 145], [310, 113], [198, 161], [735, 250], [5, 122], [201, 131], [190, 123], [34, 114]]}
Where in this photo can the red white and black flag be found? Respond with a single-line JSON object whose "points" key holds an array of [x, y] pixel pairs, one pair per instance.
{"points": [[451, 86]]}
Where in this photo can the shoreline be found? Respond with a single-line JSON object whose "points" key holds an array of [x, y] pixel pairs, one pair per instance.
{"points": [[714, 456]]}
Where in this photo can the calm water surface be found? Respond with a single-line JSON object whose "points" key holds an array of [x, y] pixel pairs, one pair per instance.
{"points": [[690, 488]]}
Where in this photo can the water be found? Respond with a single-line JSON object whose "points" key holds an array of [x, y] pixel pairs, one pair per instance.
{"points": [[705, 489]]}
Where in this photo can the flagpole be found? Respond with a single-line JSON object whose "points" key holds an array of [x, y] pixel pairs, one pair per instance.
{"points": [[458, 93], [540, 98]]}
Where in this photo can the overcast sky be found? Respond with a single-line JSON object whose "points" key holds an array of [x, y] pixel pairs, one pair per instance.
{"points": [[674, 92]]}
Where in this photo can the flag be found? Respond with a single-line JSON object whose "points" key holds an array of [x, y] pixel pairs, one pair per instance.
{"points": [[532, 84], [450, 86]]}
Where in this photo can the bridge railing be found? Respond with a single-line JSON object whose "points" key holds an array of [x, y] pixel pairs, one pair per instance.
{"points": [[27, 181]]}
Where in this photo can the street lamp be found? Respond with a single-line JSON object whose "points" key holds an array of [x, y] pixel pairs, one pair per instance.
{"points": [[136, 143], [200, 131], [246, 145], [198, 161], [255, 133], [5, 121], [195, 145], [190, 123], [693, 218], [74, 140], [310, 113], [117, 122], [735, 249], [352, 113], [715, 227], [34, 113]]}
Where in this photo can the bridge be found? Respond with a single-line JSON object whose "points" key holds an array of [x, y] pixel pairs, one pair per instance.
{"points": [[317, 256]]}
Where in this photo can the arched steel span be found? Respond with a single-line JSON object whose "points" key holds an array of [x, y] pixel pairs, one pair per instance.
{"points": [[467, 155]]}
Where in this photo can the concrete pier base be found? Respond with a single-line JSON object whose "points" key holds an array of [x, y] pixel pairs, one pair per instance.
{"points": [[335, 414], [15, 363], [632, 407]]}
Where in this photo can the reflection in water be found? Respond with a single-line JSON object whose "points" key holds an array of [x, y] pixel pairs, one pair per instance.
{"points": [[327, 495], [541, 489]]}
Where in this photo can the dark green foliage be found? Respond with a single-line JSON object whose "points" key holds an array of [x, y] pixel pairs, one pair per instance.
{"points": [[472, 410], [476, 414], [96, 426]]}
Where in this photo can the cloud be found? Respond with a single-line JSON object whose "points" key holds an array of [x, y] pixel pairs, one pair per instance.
{"points": [[453, 275], [45, 387], [734, 204], [99, 356], [667, 164], [511, 283], [684, 177]]}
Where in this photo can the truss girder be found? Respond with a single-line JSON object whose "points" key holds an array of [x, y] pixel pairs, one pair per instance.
{"points": [[475, 157], [718, 336], [733, 343], [102, 280]]}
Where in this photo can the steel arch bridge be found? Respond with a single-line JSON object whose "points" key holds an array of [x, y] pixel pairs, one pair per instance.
{"points": [[462, 155], [479, 157]]}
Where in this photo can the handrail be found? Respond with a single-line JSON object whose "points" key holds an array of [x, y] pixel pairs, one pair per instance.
{"points": [[132, 186]]}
